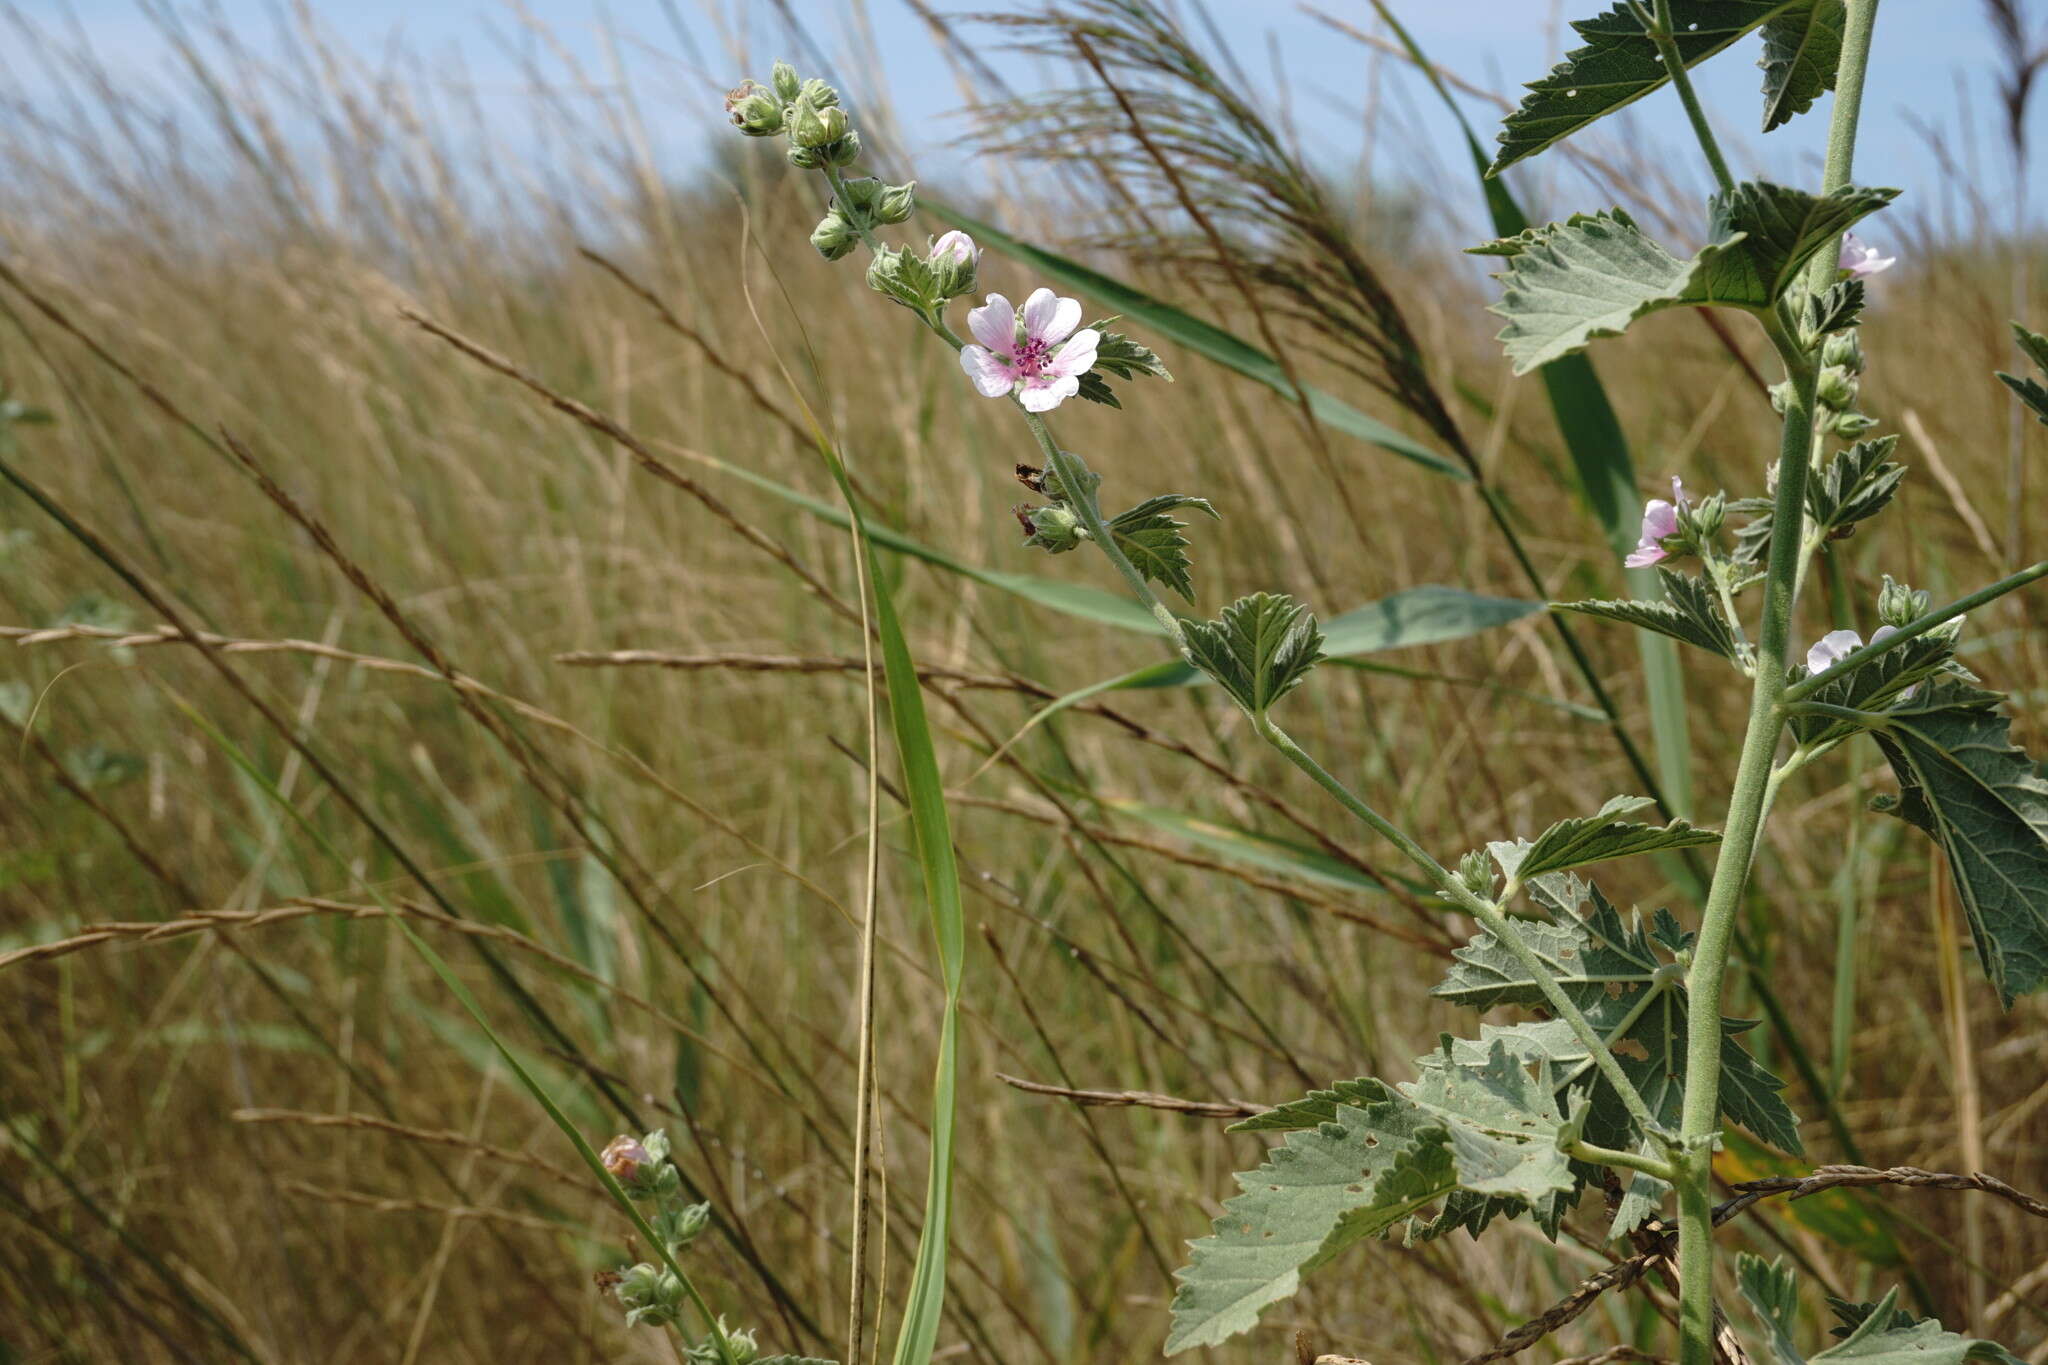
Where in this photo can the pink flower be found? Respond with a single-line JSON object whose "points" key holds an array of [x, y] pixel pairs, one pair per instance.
{"points": [[1860, 259], [624, 1157], [1033, 352], [1660, 520], [956, 246]]}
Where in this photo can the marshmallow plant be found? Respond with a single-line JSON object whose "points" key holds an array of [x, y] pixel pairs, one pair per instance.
{"points": [[1623, 1073]]}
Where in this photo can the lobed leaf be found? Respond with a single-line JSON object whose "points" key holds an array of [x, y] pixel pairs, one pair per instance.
{"points": [[1837, 308], [1879, 1340], [1316, 1107], [1688, 614], [1118, 355], [1781, 228], [1619, 65], [1986, 803], [1150, 536], [2030, 391], [1605, 836], [1773, 1296], [1802, 48], [1855, 485], [1259, 650]]}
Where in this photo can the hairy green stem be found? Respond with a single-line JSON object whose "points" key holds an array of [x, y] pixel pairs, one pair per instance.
{"points": [[1486, 912], [1700, 1119], [1634, 1161], [1664, 36]]}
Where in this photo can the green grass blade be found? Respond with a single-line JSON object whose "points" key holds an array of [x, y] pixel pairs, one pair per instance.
{"points": [[1203, 338]]}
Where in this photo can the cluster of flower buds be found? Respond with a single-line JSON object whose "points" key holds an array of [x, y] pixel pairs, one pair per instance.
{"points": [[1475, 872], [1898, 606], [1053, 526], [652, 1294], [739, 1341], [807, 112], [1677, 527], [641, 1166]]}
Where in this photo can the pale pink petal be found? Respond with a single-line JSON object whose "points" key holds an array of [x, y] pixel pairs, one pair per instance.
{"points": [[1831, 649], [1043, 393], [1860, 259], [1066, 316], [994, 324], [1678, 492], [1646, 555], [1883, 633], [956, 246], [1660, 519], [992, 375], [1077, 357], [1039, 311]]}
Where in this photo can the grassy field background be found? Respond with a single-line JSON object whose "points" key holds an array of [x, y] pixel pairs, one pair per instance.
{"points": [[237, 1107]]}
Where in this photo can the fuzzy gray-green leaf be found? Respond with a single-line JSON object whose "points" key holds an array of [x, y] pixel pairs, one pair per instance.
{"points": [[1258, 650], [1802, 47], [1619, 65], [1316, 1107], [1604, 836], [1594, 274], [1986, 803], [1877, 1340], [1773, 1296]]}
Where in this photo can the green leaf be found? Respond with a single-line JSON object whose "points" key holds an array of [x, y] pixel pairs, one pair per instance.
{"points": [[1151, 537], [1781, 229], [1118, 355], [2030, 391], [1605, 836], [1594, 274], [1204, 338], [1877, 1340], [1259, 650], [1802, 48], [1688, 614], [1773, 1295], [1610, 968], [1489, 1129], [1262, 850], [1837, 308], [1315, 1108], [1619, 65], [1986, 803], [1425, 615], [1856, 484]]}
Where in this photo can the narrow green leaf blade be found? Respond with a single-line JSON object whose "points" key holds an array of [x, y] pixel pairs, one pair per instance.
{"points": [[1605, 836]]}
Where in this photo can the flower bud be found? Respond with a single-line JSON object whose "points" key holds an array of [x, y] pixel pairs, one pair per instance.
{"points": [[810, 126], [845, 151], [680, 1226], [805, 158], [897, 203], [1843, 349], [1898, 606], [625, 1157], [820, 95], [1781, 394], [1705, 521], [1475, 870], [1836, 387], [1850, 425], [753, 110], [651, 1295], [785, 81], [833, 236], [1054, 529], [954, 261]]}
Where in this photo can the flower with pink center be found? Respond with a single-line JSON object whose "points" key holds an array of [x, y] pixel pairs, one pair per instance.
{"points": [[625, 1158], [1860, 258], [1660, 521], [1033, 351]]}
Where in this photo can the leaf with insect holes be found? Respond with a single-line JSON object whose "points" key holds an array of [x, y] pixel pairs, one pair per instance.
{"points": [[1150, 537], [1488, 1128], [1802, 47], [1781, 228], [1855, 485], [1594, 274], [1688, 614], [1258, 650], [1605, 836], [2030, 391], [1835, 309], [1986, 803], [1620, 64], [1118, 355]]}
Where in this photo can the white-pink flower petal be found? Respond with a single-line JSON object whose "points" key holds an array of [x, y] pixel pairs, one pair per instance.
{"points": [[1044, 392], [1831, 649], [994, 324], [993, 376], [1077, 357]]}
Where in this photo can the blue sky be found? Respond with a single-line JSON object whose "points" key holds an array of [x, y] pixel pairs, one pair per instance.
{"points": [[680, 55]]}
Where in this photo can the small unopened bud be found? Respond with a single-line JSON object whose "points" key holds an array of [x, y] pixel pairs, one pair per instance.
{"points": [[651, 1295], [1475, 871], [820, 95], [679, 1227], [843, 152], [784, 79], [754, 110], [1850, 425], [896, 203], [1843, 349], [1836, 387], [1899, 606], [859, 195], [1708, 518], [810, 126], [1055, 529], [626, 1158], [805, 158], [955, 261], [833, 236]]}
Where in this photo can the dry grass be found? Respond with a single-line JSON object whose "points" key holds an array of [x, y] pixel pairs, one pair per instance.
{"points": [[665, 857]]}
